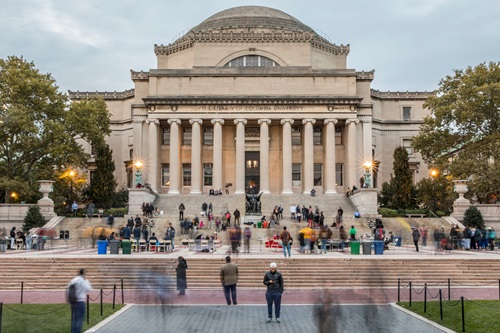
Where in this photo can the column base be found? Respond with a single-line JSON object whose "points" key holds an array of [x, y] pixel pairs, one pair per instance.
{"points": [[286, 192], [331, 192], [195, 192], [239, 192], [174, 192]]}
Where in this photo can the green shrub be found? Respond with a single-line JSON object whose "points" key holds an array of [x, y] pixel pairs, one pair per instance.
{"points": [[386, 212], [117, 212]]}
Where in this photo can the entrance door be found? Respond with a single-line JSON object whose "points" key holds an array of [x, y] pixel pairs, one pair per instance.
{"points": [[252, 172]]}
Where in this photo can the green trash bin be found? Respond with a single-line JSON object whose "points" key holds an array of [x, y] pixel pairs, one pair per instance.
{"points": [[354, 247], [259, 224], [126, 247]]}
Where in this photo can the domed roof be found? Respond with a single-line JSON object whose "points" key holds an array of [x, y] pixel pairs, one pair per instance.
{"points": [[251, 17]]}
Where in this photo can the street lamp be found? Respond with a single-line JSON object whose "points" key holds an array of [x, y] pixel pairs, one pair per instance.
{"points": [[138, 173], [13, 196], [434, 174], [367, 166], [71, 175]]}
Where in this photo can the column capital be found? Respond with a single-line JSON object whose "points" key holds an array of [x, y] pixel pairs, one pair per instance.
{"points": [[355, 121], [284, 121], [152, 121], [327, 121], [217, 120], [305, 121], [177, 121], [266, 120], [198, 121], [240, 120]]}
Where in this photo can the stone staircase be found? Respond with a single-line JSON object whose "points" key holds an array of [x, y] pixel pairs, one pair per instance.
{"points": [[43, 273]]}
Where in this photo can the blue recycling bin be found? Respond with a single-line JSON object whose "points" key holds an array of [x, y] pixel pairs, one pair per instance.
{"points": [[102, 246], [379, 247], [399, 240]]}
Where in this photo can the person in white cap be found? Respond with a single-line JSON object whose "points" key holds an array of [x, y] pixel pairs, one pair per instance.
{"points": [[274, 282]]}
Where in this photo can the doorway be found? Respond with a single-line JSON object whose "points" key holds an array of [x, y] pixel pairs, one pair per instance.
{"points": [[252, 172]]}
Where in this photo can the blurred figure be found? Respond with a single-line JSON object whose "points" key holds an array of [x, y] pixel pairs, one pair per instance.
{"points": [[247, 234], [181, 275], [424, 234], [416, 237], [77, 301]]}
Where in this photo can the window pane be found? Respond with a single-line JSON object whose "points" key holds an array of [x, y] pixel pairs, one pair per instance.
{"points": [[186, 137], [406, 113], [252, 61], [317, 136], [166, 136], [208, 137], [407, 146], [338, 136], [207, 175], [165, 175], [339, 174], [296, 172], [186, 175], [296, 139], [318, 174]]}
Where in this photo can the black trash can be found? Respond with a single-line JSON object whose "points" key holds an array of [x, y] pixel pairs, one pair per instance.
{"points": [[66, 234], [61, 234], [367, 247], [114, 246]]}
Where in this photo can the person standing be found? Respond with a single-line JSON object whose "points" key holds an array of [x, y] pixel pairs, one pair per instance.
{"points": [[286, 239], [340, 213], [275, 288], [171, 234], [352, 233], [416, 237], [247, 234], [81, 287], [74, 208], [181, 211], [181, 273], [424, 234], [236, 214], [12, 238], [229, 279]]}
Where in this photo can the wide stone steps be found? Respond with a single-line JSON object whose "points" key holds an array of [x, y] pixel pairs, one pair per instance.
{"points": [[203, 273]]}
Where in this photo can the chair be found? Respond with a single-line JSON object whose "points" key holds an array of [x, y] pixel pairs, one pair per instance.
{"points": [[185, 243], [191, 245], [142, 245], [19, 243], [216, 244], [152, 245], [161, 245], [134, 244], [168, 246], [204, 244]]}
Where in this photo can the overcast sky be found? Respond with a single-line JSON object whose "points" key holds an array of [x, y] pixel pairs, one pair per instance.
{"points": [[93, 44]]}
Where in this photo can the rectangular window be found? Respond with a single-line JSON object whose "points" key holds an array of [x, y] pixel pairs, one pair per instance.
{"points": [[165, 175], [317, 136], [207, 175], [208, 136], [406, 113], [186, 174], [338, 136], [131, 154], [339, 174], [186, 137], [166, 137], [318, 174], [407, 146], [296, 138], [296, 174]]}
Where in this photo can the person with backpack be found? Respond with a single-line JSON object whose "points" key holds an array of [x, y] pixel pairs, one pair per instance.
{"points": [[416, 237], [77, 291]]}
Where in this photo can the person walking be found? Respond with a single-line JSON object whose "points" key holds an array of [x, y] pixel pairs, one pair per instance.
{"points": [[275, 288], [229, 279], [424, 234], [180, 271], [78, 288], [286, 240], [416, 237]]}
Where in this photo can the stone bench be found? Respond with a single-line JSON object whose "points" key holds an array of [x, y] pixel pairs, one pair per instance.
{"points": [[415, 215]]}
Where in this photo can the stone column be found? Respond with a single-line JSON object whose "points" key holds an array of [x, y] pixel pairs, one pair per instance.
{"points": [[287, 156], [240, 156], [217, 151], [351, 166], [196, 156], [264, 155], [152, 165], [308, 163], [175, 167], [367, 146], [329, 165]]}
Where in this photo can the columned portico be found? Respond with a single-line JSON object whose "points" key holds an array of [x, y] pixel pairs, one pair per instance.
{"points": [[287, 156], [330, 161], [174, 156], [240, 156], [264, 155], [308, 162], [196, 156], [351, 151], [217, 153], [152, 165]]}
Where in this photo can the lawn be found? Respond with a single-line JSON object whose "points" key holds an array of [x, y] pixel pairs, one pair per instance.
{"points": [[47, 318], [480, 316]]}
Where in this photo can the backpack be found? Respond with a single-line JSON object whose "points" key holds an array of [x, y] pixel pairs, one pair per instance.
{"points": [[71, 292]]}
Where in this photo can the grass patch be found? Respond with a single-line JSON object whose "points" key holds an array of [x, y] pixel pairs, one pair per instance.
{"points": [[480, 316], [48, 318]]}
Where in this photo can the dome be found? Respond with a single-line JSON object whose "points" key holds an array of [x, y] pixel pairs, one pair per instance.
{"points": [[251, 17]]}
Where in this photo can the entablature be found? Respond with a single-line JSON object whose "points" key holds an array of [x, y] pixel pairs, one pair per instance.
{"points": [[400, 95], [106, 95]]}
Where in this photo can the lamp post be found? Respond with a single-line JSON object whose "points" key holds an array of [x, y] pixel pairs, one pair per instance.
{"points": [[367, 166], [138, 173], [13, 197], [434, 174], [71, 175]]}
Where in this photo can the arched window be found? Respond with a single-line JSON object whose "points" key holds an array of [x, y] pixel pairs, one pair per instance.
{"points": [[251, 61]]}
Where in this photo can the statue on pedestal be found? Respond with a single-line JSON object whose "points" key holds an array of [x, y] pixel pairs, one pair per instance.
{"points": [[253, 204]]}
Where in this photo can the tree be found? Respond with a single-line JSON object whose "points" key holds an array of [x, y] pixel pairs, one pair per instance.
{"points": [[401, 183], [102, 189], [473, 217], [33, 218], [40, 131], [385, 196], [462, 134], [445, 196]]}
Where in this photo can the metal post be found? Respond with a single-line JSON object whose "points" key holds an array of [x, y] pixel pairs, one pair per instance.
{"points": [[101, 301], [410, 294], [1, 315], [88, 309], [463, 314], [425, 298], [441, 303], [449, 289], [114, 295], [121, 281], [22, 291], [399, 289]]}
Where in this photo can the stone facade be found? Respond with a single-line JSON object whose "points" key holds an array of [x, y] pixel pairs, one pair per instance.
{"points": [[256, 99]]}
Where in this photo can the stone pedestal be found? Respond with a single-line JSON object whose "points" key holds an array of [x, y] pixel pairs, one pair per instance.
{"points": [[46, 204], [136, 196], [461, 204], [365, 200]]}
